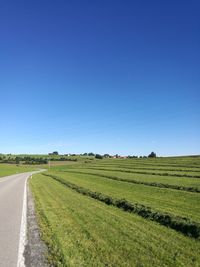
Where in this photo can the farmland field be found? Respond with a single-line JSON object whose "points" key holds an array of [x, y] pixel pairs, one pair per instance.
{"points": [[8, 169], [121, 212]]}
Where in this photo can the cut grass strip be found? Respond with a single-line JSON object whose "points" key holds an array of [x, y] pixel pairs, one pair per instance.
{"points": [[142, 172], [154, 168], [176, 202], [154, 163], [183, 225], [161, 185], [177, 181], [90, 233]]}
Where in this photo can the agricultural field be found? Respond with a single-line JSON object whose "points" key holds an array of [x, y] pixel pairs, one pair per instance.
{"points": [[13, 164], [8, 169], [121, 212]]}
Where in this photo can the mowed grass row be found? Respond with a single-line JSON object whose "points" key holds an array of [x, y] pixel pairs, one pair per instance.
{"points": [[150, 164], [81, 231], [172, 163], [180, 224], [152, 168], [175, 202], [155, 172], [9, 169], [146, 178], [149, 168]]}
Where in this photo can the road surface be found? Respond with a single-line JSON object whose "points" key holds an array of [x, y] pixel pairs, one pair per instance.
{"points": [[12, 207]]}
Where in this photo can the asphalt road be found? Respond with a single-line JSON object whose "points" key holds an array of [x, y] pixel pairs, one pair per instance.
{"points": [[11, 206]]}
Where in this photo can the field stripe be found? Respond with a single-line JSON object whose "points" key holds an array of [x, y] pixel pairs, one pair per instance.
{"points": [[183, 225], [150, 173], [132, 167], [155, 164], [154, 184]]}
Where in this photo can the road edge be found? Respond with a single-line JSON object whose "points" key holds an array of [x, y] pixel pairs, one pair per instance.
{"points": [[36, 250], [22, 237]]}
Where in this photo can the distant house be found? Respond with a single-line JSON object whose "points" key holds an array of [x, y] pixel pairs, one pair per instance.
{"points": [[119, 157]]}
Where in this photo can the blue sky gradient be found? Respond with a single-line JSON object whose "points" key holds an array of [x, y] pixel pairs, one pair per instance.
{"points": [[102, 76]]}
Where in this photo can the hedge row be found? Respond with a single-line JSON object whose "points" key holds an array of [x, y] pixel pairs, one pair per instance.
{"points": [[161, 185], [62, 159], [151, 173], [183, 225]]}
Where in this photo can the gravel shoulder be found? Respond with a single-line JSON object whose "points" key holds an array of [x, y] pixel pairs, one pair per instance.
{"points": [[35, 249]]}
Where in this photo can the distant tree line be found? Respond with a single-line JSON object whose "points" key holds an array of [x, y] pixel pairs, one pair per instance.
{"points": [[99, 156], [24, 160], [54, 156]]}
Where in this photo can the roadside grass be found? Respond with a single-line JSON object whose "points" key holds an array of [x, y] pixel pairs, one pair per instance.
{"points": [[9, 169], [81, 231]]}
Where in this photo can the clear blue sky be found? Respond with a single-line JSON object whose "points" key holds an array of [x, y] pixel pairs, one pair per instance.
{"points": [[102, 76]]}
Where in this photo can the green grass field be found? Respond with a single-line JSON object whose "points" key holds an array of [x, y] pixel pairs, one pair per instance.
{"points": [[178, 181], [8, 169], [84, 225]]}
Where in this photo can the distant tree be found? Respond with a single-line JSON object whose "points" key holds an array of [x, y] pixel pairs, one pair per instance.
{"points": [[152, 155], [106, 155], [55, 153], [97, 156], [91, 154], [17, 160], [132, 157]]}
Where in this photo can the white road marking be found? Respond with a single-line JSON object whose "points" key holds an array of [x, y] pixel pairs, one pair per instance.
{"points": [[22, 239]]}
